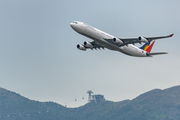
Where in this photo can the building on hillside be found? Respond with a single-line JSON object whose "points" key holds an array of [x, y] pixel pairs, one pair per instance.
{"points": [[98, 98]]}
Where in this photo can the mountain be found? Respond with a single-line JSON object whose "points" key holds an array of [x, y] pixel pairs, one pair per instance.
{"points": [[153, 105]]}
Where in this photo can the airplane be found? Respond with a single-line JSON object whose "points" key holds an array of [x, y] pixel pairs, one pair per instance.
{"points": [[124, 45]]}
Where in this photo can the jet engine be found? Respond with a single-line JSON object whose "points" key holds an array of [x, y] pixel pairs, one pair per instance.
{"points": [[142, 39], [117, 41], [81, 47], [88, 44]]}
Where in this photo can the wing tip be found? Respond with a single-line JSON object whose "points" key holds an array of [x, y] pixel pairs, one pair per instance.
{"points": [[171, 35]]}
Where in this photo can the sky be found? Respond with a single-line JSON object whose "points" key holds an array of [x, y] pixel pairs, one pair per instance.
{"points": [[39, 58]]}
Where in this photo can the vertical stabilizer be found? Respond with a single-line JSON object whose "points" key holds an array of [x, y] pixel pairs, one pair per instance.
{"points": [[150, 47], [147, 47]]}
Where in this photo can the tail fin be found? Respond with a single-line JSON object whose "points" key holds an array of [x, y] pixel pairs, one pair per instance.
{"points": [[147, 46]]}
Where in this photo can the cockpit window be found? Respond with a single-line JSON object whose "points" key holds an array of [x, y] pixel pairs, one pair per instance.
{"points": [[75, 22]]}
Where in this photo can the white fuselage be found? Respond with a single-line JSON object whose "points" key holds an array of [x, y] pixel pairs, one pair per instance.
{"points": [[100, 37]]}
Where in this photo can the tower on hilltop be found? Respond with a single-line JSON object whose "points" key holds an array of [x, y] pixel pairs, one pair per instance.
{"points": [[90, 96]]}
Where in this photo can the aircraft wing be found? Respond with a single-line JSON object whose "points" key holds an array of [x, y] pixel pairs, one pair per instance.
{"points": [[141, 39]]}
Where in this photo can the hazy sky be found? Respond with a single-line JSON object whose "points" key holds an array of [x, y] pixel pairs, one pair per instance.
{"points": [[39, 58]]}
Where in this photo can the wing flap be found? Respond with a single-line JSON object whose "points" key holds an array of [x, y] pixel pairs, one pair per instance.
{"points": [[95, 46]]}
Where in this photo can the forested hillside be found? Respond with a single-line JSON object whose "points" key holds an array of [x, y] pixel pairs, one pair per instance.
{"points": [[153, 105]]}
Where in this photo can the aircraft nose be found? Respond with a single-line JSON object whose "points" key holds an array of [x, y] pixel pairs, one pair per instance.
{"points": [[71, 24], [75, 26]]}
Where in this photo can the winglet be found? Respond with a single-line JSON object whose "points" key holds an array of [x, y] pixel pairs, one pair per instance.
{"points": [[171, 35]]}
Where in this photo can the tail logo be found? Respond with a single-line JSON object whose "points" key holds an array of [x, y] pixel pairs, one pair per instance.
{"points": [[147, 47]]}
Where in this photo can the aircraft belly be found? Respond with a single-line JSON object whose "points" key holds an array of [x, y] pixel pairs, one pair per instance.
{"points": [[134, 51], [99, 39], [108, 45]]}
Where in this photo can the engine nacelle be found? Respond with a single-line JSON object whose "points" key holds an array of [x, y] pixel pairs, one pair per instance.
{"points": [[142, 39], [88, 44], [117, 41], [81, 47]]}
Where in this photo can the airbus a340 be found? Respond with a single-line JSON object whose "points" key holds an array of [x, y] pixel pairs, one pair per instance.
{"points": [[124, 45]]}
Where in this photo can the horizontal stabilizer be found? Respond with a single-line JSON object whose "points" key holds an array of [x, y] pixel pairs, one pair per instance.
{"points": [[157, 53]]}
